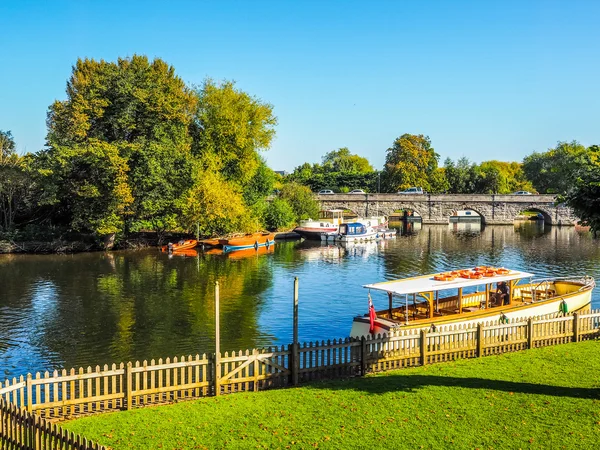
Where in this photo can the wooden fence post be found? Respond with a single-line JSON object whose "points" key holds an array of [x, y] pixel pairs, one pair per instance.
{"points": [[217, 343], [256, 368], [363, 356], [128, 385], [29, 390], [294, 354], [530, 333], [575, 327], [423, 347], [479, 340]]}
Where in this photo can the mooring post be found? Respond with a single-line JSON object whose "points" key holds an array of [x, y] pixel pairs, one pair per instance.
{"points": [[295, 360], [217, 343], [575, 327]]}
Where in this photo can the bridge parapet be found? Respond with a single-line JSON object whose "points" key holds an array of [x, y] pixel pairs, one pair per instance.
{"points": [[437, 208]]}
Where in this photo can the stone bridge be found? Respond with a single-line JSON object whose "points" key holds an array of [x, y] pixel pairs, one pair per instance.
{"points": [[437, 208]]}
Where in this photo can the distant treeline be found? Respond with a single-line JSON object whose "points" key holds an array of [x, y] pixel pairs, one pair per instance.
{"points": [[133, 148]]}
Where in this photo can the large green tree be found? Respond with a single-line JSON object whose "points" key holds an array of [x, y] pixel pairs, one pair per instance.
{"points": [[133, 118], [584, 196], [230, 129], [410, 161], [555, 171]]}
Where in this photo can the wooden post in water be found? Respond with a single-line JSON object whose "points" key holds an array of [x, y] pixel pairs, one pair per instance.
{"points": [[217, 343], [295, 360]]}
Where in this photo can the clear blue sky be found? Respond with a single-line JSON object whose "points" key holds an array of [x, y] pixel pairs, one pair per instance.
{"points": [[484, 79]]}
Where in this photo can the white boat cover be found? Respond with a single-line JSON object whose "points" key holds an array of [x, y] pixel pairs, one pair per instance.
{"points": [[426, 283]]}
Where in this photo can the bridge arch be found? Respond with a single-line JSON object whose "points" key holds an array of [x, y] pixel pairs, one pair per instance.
{"points": [[468, 208], [547, 215]]}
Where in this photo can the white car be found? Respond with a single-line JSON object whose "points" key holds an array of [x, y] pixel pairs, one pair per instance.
{"points": [[412, 190], [357, 191], [522, 193], [326, 192]]}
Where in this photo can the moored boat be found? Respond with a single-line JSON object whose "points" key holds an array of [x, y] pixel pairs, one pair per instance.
{"points": [[254, 240], [328, 222], [471, 296], [183, 244], [357, 232]]}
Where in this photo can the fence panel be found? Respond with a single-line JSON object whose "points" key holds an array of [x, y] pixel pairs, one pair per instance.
{"points": [[28, 403]]}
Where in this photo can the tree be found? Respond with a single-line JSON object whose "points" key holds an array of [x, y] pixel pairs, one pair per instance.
{"points": [[555, 171], [409, 162], [279, 215], [584, 198], [93, 188], [7, 146], [136, 115], [342, 160], [215, 205], [301, 199], [230, 128]]}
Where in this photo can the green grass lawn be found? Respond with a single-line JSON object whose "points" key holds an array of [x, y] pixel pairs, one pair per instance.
{"points": [[544, 398]]}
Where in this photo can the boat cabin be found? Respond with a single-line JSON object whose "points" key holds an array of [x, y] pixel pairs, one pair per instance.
{"points": [[352, 229]]}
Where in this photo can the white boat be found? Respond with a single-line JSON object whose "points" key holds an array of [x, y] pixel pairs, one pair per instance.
{"points": [[328, 222], [357, 232], [467, 297]]}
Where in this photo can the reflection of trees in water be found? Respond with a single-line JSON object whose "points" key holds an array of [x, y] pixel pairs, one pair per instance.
{"points": [[139, 305]]}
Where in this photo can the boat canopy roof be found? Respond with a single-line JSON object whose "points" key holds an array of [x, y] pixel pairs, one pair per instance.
{"points": [[426, 283]]}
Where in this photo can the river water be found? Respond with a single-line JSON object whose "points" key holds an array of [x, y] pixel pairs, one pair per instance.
{"points": [[64, 311]]}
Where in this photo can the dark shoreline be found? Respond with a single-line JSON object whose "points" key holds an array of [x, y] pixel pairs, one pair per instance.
{"points": [[89, 244]]}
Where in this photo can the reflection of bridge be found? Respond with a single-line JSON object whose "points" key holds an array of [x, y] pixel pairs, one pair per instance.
{"points": [[437, 208]]}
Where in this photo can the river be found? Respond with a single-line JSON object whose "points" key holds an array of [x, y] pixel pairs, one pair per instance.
{"points": [[64, 311]]}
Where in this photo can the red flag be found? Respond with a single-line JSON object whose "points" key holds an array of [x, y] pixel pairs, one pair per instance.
{"points": [[372, 316]]}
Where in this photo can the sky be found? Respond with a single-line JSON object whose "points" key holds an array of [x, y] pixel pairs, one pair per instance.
{"points": [[483, 79]]}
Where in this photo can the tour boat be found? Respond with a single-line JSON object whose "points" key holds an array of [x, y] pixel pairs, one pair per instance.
{"points": [[328, 222], [357, 232], [254, 240], [180, 245], [468, 297]]}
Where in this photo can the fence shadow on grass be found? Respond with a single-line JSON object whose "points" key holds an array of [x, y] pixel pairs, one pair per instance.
{"points": [[412, 383]]}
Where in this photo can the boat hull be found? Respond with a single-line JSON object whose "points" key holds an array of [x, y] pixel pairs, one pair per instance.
{"points": [[577, 301], [314, 233], [371, 236], [255, 240], [187, 244]]}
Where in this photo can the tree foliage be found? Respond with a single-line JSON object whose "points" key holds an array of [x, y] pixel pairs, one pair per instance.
{"points": [[556, 170], [15, 183], [301, 199], [279, 215], [231, 127], [410, 161], [341, 171], [584, 197], [215, 205], [343, 161]]}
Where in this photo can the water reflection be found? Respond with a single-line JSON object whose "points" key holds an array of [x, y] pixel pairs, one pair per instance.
{"points": [[78, 310]]}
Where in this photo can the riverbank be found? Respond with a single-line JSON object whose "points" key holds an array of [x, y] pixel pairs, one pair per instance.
{"points": [[89, 244], [539, 398]]}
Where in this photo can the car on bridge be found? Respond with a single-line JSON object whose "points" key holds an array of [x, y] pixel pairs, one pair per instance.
{"points": [[357, 191], [522, 193], [413, 191], [326, 192]]}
